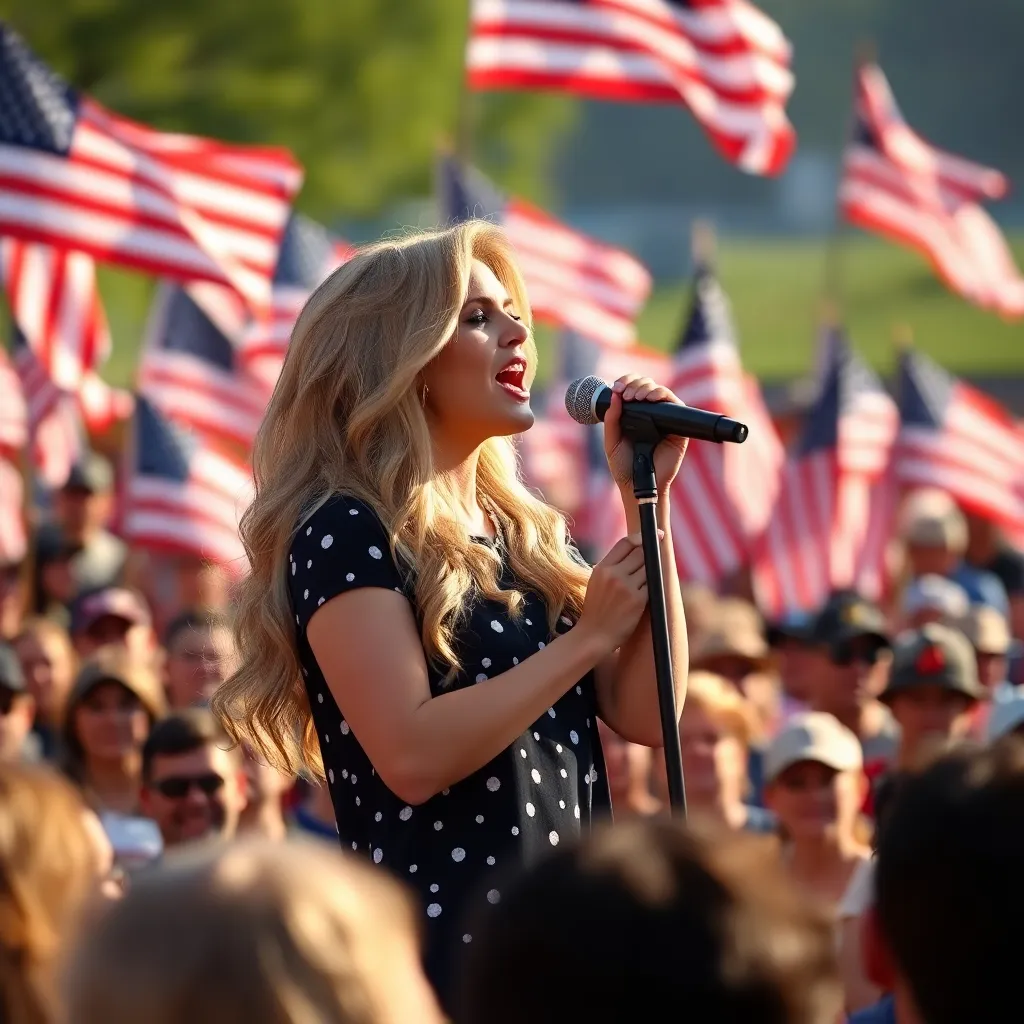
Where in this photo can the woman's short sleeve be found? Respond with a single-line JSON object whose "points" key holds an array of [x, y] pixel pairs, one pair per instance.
{"points": [[341, 547]]}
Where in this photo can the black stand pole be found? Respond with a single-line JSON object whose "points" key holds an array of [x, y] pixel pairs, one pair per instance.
{"points": [[645, 490]]}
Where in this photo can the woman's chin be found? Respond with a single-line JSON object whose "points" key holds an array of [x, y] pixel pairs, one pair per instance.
{"points": [[515, 421]]}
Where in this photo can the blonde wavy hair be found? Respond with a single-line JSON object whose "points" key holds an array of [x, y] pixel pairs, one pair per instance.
{"points": [[723, 704], [346, 416]]}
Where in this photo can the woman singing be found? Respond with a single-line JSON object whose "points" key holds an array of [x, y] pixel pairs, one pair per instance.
{"points": [[417, 626]]}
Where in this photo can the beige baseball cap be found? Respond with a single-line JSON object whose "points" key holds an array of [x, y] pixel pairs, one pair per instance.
{"points": [[987, 629], [813, 736], [734, 630], [931, 518]]}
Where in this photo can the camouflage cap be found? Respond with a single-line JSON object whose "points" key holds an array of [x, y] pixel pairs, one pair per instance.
{"points": [[935, 655]]}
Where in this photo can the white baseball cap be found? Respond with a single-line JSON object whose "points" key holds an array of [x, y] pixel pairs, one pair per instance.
{"points": [[813, 736], [936, 593]]}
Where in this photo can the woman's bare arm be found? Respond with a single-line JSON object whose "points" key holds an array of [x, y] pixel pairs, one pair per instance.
{"points": [[369, 650]]}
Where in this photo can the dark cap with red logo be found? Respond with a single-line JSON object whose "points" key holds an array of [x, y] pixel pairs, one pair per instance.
{"points": [[934, 655]]}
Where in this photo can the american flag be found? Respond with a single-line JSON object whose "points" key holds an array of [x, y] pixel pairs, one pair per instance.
{"points": [[604, 519], [13, 413], [561, 459], [898, 185], [56, 432], [181, 494], [102, 405], [723, 496], [58, 441], [824, 532], [40, 394], [75, 176], [33, 411], [13, 539], [308, 256], [723, 59], [56, 304], [573, 281], [955, 438], [190, 372]]}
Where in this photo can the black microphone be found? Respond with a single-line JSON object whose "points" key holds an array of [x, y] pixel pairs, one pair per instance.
{"points": [[588, 399]]}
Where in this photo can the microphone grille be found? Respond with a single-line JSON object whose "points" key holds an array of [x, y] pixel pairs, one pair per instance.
{"points": [[579, 399]]}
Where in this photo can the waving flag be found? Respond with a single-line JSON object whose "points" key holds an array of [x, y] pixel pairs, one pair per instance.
{"points": [[56, 305], [824, 532], [13, 412], [723, 59], [898, 185], [53, 420], [102, 405], [573, 281], [75, 176], [308, 255], [181, 494], [561, 459], [191, 373], [955, 438], [724, 493], [40, 394]]}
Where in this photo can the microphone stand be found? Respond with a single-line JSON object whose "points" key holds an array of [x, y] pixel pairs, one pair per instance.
{"points": [[645, 439]]}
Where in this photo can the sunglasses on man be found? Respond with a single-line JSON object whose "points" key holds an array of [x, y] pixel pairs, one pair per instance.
{"points": [[856, 651], [176, 787]]}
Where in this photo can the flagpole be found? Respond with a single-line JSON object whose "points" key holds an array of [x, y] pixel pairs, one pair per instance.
{"points": [[703, 250], [834, 270]]}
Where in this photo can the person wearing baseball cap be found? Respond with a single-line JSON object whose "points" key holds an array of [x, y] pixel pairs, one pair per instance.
{"points": [[989, 634], [932, 598], [110, 713], [113, 615], [789, 640], [17, 709], [815, 785], [932, 690], [851, 645], [934, 533], [82, 509]]}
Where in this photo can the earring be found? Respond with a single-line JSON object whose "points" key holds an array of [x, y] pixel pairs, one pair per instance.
{"points": [[423, 396]]}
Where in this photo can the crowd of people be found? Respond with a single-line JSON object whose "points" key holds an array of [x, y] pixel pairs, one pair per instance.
{"points": [[474, 821], [812, 748]]}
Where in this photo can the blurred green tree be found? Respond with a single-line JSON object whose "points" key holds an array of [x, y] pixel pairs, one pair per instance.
{"points": [[362, 91]]}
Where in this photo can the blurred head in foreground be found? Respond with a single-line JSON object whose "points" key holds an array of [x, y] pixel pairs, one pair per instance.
{"points": [[949, 887], [53, 857], [254, 933], [644, 917]]}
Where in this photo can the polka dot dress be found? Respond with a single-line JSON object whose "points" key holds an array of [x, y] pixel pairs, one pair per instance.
{"points": [[542, 790]]}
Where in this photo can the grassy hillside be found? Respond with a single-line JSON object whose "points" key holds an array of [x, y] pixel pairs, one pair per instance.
{"points": [[775, 287]]}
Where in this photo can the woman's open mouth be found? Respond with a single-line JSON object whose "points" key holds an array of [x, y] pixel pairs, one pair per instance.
{"points": [[512, 377]]}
